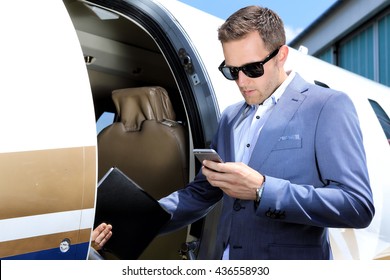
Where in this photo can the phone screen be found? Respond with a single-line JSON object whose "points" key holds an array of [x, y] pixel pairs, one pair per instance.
{"points": [[207, 154]]}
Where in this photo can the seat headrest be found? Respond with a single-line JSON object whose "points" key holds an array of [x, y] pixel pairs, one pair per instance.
{"points": [[135, 105]]}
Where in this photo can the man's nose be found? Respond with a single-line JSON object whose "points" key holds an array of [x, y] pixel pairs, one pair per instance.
{"points": [[242, 79]]}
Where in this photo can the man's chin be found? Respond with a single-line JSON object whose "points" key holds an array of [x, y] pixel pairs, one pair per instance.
{"points": [[252, 101]]}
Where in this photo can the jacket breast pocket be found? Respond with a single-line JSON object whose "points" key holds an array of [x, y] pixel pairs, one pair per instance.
{"points": [[288, 142]]}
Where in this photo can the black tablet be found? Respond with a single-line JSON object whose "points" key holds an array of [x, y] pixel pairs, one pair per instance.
{"points": [[136, 217]]}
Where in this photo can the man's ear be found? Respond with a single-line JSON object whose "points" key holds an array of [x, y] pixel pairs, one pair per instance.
{"points": [[283, 53]]}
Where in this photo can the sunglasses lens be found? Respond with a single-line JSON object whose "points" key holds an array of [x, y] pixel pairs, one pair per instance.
{"points": [[230, 73], [253, 70]]}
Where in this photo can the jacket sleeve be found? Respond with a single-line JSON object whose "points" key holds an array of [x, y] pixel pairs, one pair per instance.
{"points": [[345, 198], [191, 203]]}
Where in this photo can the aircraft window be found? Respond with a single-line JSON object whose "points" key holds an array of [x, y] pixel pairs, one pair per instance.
{"points": [[104, 120], [383, 118]]}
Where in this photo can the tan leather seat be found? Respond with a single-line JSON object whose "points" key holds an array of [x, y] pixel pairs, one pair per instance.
{"points": [[151, 148]]}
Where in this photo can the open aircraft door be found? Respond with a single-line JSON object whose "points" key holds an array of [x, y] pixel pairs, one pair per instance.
{"points": [[48, 136], [153, 46]]}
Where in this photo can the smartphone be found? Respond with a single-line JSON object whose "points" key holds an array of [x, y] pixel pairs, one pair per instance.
{"points": [[207, 154]]}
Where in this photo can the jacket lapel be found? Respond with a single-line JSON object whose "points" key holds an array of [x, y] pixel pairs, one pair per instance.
{"points": [[275, 126]]}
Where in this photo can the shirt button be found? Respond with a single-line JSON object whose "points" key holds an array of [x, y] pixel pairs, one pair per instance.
{"points": [[237, 206], [248, 145], [257, 117]]}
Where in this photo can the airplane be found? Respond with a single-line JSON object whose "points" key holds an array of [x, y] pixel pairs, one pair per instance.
{"points": [[64, 65]]}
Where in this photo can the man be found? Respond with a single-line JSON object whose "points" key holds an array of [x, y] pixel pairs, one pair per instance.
{"points": [[294, 158]]}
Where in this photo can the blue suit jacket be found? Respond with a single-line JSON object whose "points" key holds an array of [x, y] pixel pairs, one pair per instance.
{"points": [[312, 155]]}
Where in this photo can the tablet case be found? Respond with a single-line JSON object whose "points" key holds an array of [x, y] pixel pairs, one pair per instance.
{"points": [[136, 217]]}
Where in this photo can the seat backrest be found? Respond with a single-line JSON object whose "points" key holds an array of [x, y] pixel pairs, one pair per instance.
{"points": [[147, 144], [151, 148]]}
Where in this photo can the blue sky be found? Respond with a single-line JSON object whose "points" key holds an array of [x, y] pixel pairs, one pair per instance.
{"points": [[296, 14]]}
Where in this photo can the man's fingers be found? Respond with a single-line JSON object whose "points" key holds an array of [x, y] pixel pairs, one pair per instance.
{"points": [[105, 239], [101, 235]]}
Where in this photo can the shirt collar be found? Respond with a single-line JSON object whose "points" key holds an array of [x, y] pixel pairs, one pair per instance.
{"points": [[282, 88]]}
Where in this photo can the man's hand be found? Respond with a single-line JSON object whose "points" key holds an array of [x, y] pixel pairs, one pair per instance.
{"points": [[236, 179], [100, 236]]}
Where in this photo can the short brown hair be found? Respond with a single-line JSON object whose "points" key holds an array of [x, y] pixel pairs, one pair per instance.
{"points": [[254, 18]]}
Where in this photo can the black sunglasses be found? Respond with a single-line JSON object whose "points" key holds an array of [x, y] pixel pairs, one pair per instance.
{"points": [[252, 70]]}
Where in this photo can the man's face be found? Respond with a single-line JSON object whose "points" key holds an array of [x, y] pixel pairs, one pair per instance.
{"points": [[252, 49]]}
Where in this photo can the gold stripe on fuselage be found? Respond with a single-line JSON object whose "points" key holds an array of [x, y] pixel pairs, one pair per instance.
{"points": [[44, 242], [47, 181]]}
